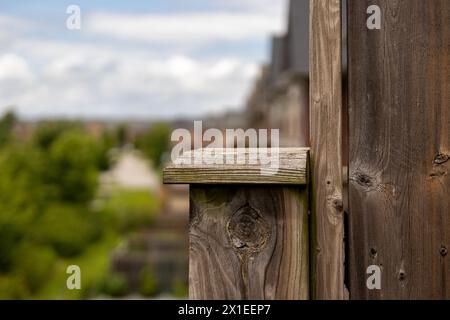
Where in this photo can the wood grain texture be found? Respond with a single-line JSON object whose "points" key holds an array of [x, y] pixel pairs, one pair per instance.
{"points": [[399, 131], [292, 167], [326, 141], [248, 243]]}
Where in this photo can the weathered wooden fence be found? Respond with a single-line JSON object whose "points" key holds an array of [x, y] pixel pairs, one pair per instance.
{"points": [[248, 231], [399, 140], [285, 236]]}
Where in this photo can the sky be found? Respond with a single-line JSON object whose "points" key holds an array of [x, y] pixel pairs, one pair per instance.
{"points": [[133, 59]]}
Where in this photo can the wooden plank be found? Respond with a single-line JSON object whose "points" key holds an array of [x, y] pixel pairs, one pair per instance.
{"points": [[249, 243], [326, 142], [291, 167], [399, 111]]}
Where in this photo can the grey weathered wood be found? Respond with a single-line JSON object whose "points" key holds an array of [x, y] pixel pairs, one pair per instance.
{"points": [[292, 169], [248, 232], [248, 243], [399, 112], [326, 142]]}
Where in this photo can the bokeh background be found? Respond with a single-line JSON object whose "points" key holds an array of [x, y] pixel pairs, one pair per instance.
{"points": [[85, 123]]}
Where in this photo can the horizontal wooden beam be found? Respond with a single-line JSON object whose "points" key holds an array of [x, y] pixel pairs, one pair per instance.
{"points": [[277, 166]]}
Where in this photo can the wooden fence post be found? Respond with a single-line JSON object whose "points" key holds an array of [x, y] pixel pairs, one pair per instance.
{"points": [[326, 143], [399, 142], [248, 231]]}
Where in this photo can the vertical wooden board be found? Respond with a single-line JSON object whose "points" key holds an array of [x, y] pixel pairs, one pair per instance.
{"points": [[326, 142], [248, 243], [399, 136]]}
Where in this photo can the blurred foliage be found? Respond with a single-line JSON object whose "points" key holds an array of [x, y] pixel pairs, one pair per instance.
{"points": [[72, 167], [12, 287], [108, 141], [48, 184], [34, 264], [128, 210], [47, 132], [122, 135], [180, 289], [68, 230], [155, 143], [148, 283], [7, 123], [114, 285]]}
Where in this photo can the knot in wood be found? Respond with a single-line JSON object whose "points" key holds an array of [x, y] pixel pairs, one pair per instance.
{"points": [[338, 205], [441, 158], [364, 180], [443, 251], [247, 230]]}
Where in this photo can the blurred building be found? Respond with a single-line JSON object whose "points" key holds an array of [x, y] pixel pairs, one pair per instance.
{"points": [[280, 97]]}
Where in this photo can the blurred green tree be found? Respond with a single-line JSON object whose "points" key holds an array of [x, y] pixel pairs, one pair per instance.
{"points": [[7, 123], [68, 229], [47, 132], [22, 196], [72, 167], [34, 264], [48, 215], [106, 143], [155, 143], [122, 135]]}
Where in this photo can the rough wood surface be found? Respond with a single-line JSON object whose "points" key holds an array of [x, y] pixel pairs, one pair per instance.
{"points": [[292, 167], [326, 141], [399, 104], [248, 242]]}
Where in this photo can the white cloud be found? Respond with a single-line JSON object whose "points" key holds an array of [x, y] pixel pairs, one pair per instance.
{"points": [[127, 73], [13, 67], [95, 81], [274, 7], [181, 66], [223, 68], [191, 28], [10, 23]]}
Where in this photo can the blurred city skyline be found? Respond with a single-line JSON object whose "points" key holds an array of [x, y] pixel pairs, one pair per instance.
{"points": [[133, 59]]}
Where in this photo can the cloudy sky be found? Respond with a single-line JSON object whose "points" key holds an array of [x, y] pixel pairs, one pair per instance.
{"points": [[133, 59]]}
